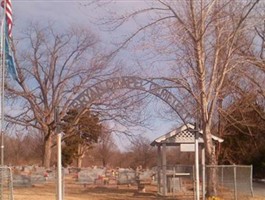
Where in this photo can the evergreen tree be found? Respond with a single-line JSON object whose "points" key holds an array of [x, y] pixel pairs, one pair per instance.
{"points": [[80, 135]]}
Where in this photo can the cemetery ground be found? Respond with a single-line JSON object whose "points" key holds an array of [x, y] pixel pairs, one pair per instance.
{"points": [[75, 191]]}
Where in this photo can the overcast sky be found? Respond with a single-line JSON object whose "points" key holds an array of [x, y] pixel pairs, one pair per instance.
{"points": [[63, 13], [66, 13]]}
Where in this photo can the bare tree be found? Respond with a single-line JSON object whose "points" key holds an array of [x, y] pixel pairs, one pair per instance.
{"points": [[23, 149], [14, 153], [199, 43], [244, 132], [142, 153], [52, 68], [105, 148]]}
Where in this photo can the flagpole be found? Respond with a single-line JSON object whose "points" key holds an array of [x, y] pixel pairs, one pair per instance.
{"points": [[2, 98], [6, 56], [2, 83]]}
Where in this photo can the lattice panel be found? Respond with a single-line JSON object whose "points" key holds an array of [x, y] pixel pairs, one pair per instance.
{"points": [[183, 136]]}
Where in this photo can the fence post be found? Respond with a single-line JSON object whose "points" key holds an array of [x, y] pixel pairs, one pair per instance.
{"points": [[174, 180], [222, 178], [194, 182], [164, 169], [235, 183], [159, 169], [251, 179], [11, 184]]}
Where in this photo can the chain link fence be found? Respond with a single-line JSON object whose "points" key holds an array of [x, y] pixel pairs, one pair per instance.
{"points": [[6, 183], [176, 181], [234, 181]]}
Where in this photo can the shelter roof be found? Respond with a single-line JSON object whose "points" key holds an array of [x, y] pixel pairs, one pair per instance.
{"points": [[182, 135]]}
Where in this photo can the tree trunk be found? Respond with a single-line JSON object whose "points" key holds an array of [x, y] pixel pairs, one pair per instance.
{"points": [[47, 152], [80, 156], [104, 162], [205, 114], [79, 162], [211, 172]]}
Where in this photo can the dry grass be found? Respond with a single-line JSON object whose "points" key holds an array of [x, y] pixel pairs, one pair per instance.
{"points": [[257, 198], [74, 191], [78, 192]]}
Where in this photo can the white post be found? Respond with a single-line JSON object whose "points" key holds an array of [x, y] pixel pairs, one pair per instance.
{"points": [[251, 178], [2, 90], [203, 174], [197, 177], [2, 98], [59, 156], [235, 182], [59, 166]]}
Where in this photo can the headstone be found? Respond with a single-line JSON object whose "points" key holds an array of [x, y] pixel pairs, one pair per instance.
{"points": [[21, 181], [126, 176]]}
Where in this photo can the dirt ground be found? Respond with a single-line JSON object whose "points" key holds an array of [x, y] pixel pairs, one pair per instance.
{"points": [[74, 191]]}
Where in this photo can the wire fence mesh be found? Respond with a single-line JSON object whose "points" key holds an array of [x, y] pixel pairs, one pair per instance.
{"points": [[234, 181], [6, 186], [177, 180]]}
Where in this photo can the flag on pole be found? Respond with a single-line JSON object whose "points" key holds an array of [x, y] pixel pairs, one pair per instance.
{"points": [[7, 33], [6, 4]]}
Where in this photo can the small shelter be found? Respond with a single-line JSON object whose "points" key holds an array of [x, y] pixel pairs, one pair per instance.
{"points": [[189, 139]]}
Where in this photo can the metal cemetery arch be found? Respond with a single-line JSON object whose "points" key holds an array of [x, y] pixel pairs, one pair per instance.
{"points": [[89, 95]]}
